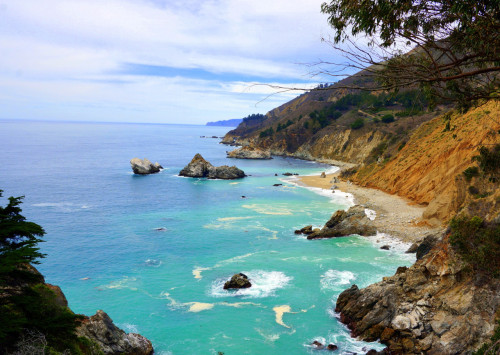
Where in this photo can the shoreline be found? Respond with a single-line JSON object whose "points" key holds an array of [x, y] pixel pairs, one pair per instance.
{"points": [[395, 215]]}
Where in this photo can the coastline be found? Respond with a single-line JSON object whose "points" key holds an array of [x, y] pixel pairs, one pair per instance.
{"points": [[395, 215]]}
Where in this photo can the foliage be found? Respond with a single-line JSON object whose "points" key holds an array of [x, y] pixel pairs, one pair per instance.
{"points": [[471, 172], [283, 126], [489, 161], [28, 305], [388, 118], [455, 44], [255, 117], [358, 123], [18, 238], [266, 133], [493, 347], [478, 243]]}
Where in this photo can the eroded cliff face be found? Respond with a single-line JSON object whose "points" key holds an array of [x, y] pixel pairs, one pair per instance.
{"points": [[428, 170], [433, 307]]}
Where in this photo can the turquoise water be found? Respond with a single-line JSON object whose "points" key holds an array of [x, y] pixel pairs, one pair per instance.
{"points": [[105, 251]]}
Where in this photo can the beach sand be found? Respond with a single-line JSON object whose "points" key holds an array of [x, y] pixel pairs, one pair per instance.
{"points": [[396, 216]]}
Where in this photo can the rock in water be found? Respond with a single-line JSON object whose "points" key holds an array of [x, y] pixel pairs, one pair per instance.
{"points": [[249, 153], [238, 281], [144, 166], [111, 339], [344, 223], [199, 167]]}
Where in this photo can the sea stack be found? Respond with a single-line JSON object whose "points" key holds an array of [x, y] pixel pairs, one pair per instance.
{"points": [[144, 166], [200, 168], [238, 281]]}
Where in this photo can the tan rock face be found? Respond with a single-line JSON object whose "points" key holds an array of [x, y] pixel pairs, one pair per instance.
{"points": [[144, 166], [249, 153], [111, 339], [432, 306]]}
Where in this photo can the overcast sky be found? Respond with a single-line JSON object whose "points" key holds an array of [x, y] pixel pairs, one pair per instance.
{"points": [[169, 61]]}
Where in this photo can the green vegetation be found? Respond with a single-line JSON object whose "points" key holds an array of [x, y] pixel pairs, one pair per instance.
{"points": [[283, 126], [388, 118], [471, 172], [478, 243], [27, 304], [254, 118], [266, 133], [489, 162], [358, 123]]}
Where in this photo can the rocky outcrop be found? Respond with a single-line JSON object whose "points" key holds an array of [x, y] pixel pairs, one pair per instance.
{"points": [[111, 339], [238, 281], [200, 168], [144, 166], [344, 223], [249, 153], [433, 307]]}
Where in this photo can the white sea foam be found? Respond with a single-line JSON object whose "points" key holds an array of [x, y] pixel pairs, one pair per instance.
{"points": [[396, 244], [124, 283], [63, 206], [335, 196], [153, 262], [371, 214], [129, 328], [335, 280], [264, 284]]}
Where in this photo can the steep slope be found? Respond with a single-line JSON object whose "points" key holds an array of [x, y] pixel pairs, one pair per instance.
{"points": [[428, 170]]}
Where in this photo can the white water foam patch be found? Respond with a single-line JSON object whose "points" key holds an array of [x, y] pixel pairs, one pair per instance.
{"points": [[264, 284], [371, 214], [63, 206], [336, 196], [124, 283], [336, 280], [275, 209], [396, 245]]}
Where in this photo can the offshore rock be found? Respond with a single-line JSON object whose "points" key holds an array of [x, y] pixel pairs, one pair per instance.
{"points": [[199, 167], [111, 339], [238, 281], [344, 223], [249, 153], [433, 307], [144, 166]]}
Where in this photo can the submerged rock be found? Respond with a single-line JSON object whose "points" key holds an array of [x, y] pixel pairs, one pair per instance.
{"points": [[111, 339], [144, 166], [344, 223], [238, 281], [199, 167], [249, 153]]}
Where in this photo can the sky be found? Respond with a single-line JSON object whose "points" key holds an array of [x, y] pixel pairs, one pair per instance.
{"points": [[155, 61]]}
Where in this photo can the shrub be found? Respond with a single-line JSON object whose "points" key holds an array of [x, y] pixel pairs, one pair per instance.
{"points": [[471, 172], [358, 123], [478, 243], [489, 161], [387, 118]]}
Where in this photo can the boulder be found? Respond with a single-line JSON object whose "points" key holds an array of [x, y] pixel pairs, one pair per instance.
{"points": [[144, 166], [426, 245], [249, 153], [199, 167], [344, 223], [385, 247], [323, 175], [111, 339], [238, 281], [331, 347], [306, 230]]}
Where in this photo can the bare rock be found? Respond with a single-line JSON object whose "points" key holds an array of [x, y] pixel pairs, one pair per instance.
{"points": [[323, 175], [199, 167], [344, 223], [238, 281], [248, 152], [144, 166], [111, 339], [306, 230]]}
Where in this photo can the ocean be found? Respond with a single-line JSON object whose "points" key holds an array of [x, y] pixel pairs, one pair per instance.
{"points": [[154, 251]]}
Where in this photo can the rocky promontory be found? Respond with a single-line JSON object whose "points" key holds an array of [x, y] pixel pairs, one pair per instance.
{"points": [[433, 307], [144, 166], [248, 152], [200, 168], [111, 339], [343, 223]]}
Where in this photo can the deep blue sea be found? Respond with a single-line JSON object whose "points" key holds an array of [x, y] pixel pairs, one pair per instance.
{"points": [[105, 251]]}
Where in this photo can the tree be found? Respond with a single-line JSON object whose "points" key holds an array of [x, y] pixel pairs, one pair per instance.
{"points": [[455, 45], [18, 238]]}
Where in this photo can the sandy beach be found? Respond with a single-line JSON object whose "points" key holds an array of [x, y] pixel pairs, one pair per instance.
{"points": [[396, 216]]}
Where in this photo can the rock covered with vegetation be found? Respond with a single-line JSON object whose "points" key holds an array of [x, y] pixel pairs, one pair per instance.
{"points": [[34, 316], [200, 168], [144, 166], [248, 152]]}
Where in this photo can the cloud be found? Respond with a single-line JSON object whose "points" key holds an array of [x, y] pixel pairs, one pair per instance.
{"points": [[91, 57]]}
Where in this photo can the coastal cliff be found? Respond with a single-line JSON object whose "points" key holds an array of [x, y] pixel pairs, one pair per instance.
{"points": [[448, 302]]}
